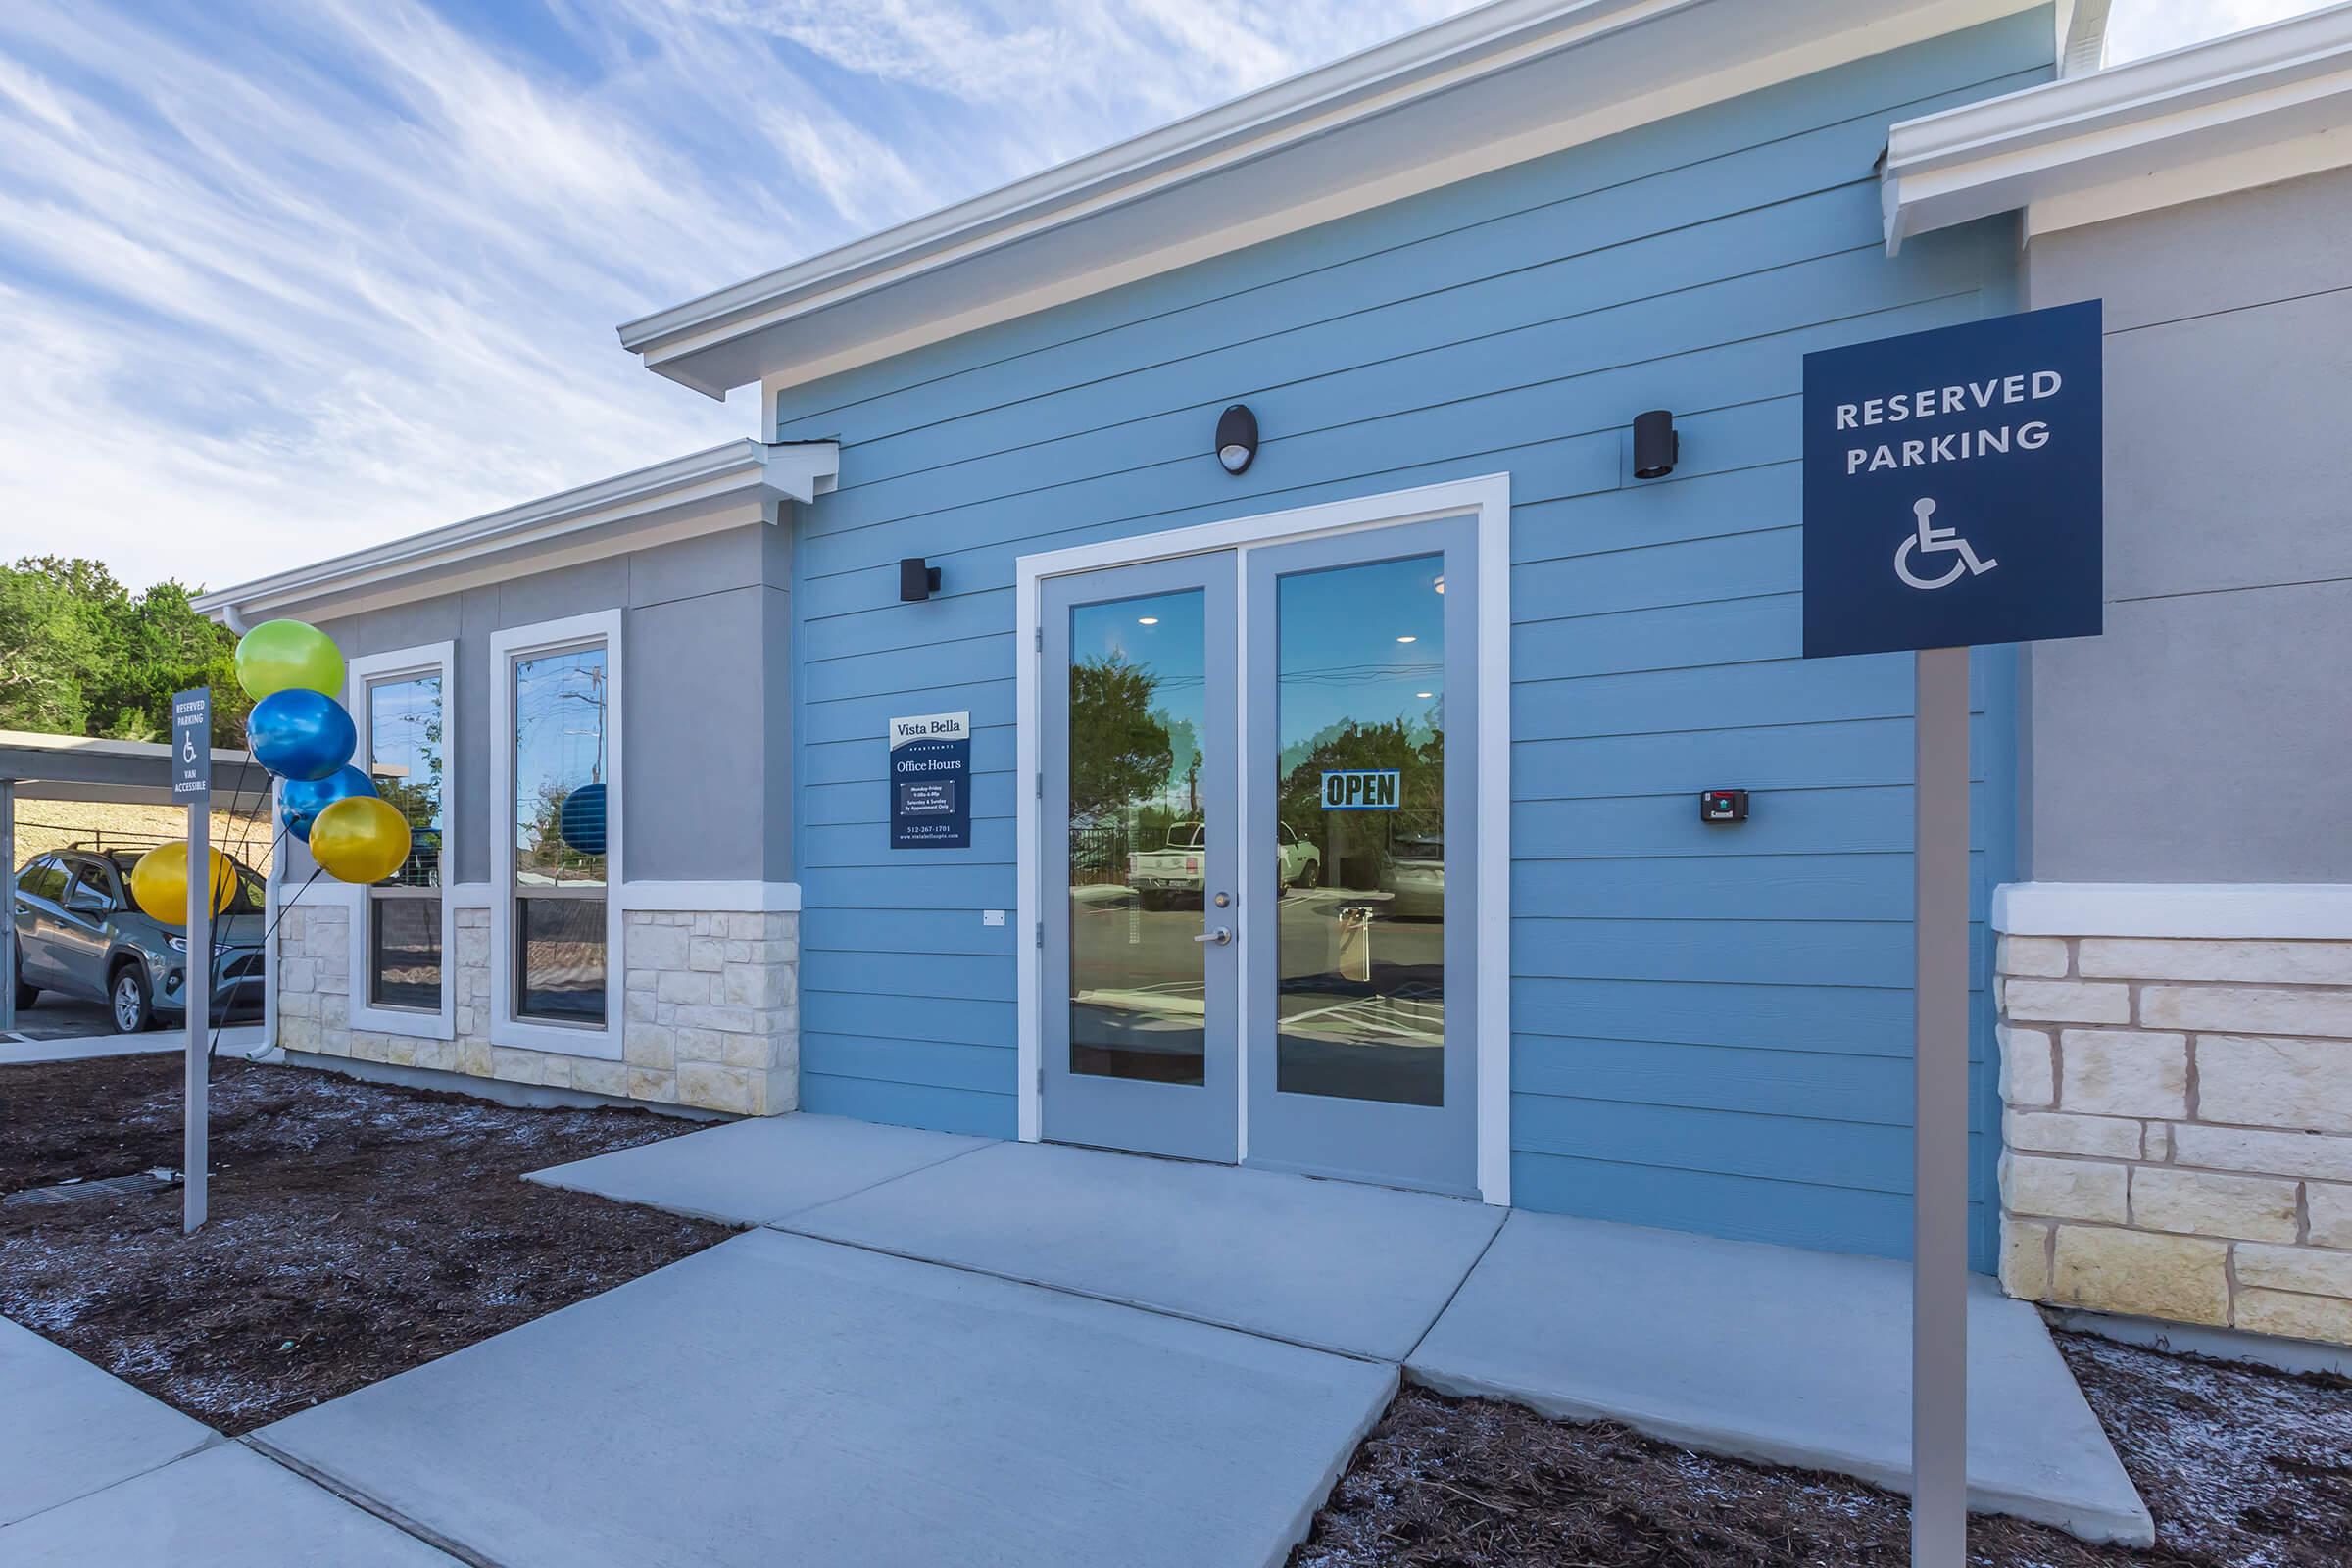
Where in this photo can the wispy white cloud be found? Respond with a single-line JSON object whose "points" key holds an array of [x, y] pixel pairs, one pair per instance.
{"points": [[285, 278], [2140, 27], [292, 279]]}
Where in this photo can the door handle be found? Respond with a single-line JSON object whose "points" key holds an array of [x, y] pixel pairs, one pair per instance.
{"points": [[1220, 936]]}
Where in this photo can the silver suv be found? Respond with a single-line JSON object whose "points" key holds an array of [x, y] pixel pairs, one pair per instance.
{"points": [[79, 934]]}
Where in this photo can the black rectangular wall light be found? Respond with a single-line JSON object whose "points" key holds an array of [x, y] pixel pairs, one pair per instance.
{"points": [[917, 579], [1657, 447]]}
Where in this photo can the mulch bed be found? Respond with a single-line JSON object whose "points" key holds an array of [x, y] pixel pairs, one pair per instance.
{"points": [[357, 1230], [2241, 1468]]}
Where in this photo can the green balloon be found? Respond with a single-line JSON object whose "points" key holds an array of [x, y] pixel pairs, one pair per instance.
{"points": [[288, 655]]}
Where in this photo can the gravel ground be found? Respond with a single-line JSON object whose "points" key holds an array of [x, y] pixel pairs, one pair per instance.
{"points": [[357, 1230], [2241, 1468]]}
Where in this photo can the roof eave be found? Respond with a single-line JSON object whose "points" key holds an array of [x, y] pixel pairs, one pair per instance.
{"points": [[736, 335], [753, 474], [1507, 27], [2210, 104]]}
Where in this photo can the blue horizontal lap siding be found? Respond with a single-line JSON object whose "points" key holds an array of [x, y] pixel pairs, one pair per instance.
{"points": [[1711, 1025]]}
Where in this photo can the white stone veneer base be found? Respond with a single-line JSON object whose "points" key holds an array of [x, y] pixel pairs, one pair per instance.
{"points": [[2178, 1128], [710, 1012]]}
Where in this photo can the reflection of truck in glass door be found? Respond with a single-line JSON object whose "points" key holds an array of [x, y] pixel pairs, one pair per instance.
{"points": [[1414, 878], [1173, 873]]}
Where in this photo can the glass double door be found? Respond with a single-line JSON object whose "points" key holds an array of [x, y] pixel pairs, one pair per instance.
{"points": [[1258, 830]]}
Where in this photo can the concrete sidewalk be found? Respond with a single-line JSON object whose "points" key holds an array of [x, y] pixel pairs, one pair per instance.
{"points": [[1775, 1354], [758, 1171], [69, 1429], [777, 1397], [1359, 1270], [223, 1507], [1765, 1352], [94, 1471]]}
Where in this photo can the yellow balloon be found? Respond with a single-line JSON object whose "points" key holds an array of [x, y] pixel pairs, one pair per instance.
{"points": [[160, 883], [361, 838]]}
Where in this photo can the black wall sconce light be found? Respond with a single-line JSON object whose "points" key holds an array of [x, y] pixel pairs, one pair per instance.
{"points": [[919, 579], [1657, 445], [1236, 438]]}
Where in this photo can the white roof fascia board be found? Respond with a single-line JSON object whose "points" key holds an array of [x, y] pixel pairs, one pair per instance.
{"points": [[1551, 73], [2230, 114], [726, 486], [105, 746]]}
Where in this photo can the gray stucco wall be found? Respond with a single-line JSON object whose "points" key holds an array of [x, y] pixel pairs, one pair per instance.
{"points": [[2208, 735], [706, 699]]}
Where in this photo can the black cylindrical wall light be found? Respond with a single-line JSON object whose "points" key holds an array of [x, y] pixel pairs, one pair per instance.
{"points": [[1656, 444], [919, 579], [1236, 438]]}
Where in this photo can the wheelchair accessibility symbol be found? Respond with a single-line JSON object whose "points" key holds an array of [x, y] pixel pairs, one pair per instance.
{"points": [[1929, 539]]}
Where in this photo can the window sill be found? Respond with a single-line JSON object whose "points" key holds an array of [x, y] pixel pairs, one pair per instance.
{"points": [[440, 1025], [601, 1045]]}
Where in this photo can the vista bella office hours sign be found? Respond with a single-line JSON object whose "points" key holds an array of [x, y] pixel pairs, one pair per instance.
{"points": [[931, 782]]}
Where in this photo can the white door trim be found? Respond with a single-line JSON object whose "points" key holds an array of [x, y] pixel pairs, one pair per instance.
{"points": [[1488, 499]]}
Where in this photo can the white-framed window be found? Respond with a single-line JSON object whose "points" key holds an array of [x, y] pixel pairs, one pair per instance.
{"points": [[556, 783], [403, 933]]}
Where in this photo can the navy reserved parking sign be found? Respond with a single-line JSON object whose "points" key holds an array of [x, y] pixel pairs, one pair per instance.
{"points": [[1953, 485]]}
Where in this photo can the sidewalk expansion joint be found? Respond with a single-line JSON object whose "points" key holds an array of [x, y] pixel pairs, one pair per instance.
{"points": [[336, 1488], [1107, 1300]]}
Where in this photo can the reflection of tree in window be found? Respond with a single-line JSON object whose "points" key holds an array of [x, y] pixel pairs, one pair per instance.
{"points": [[405, 761], [1121, 753], [1361, 967], [561, 915], [560, 743], [405, 751], [1415, 749]]}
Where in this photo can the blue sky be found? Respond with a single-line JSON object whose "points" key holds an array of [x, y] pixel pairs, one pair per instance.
{"points": [[286, 280]]}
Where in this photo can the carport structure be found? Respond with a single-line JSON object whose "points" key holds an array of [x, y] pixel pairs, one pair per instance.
{"points": [[76, 767]]}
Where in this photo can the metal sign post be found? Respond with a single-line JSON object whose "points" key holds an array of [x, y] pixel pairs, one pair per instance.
{"points": [[192, 786], [8, 904], [1939, 1109], [1952, 497]]}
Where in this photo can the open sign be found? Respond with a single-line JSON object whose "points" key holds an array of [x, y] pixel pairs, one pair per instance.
{"points": [[1373, 789]]}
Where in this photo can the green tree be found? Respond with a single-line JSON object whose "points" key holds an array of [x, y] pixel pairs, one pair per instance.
{"points": [[1120, 752], [1415, 750], [82, 654]]}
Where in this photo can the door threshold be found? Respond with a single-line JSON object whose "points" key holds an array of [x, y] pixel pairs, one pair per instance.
{"points": [[1274, 1168]]}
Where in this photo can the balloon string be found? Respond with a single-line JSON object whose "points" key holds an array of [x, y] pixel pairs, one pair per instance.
{"points": [[236, 812], [269, 967]]}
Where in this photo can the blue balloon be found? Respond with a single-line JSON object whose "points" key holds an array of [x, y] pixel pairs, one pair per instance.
{"points": [[302, 800], [581, 820], [301, 735]]}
